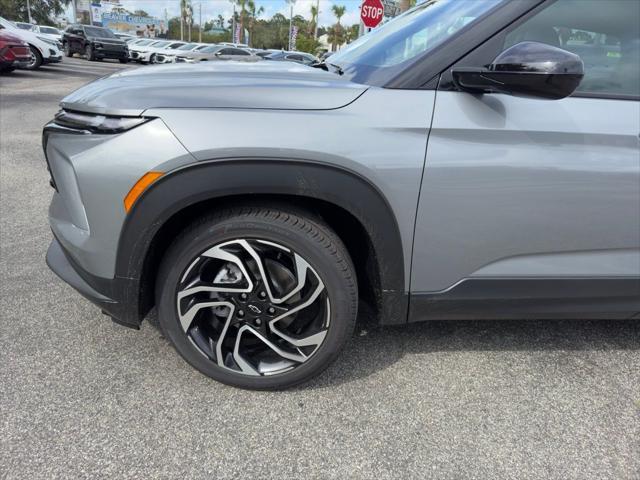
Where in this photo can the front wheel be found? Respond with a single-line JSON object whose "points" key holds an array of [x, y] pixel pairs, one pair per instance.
{"points": [[67, 50], [124, 60], [36, 59], [258, 298], [88, 52]]}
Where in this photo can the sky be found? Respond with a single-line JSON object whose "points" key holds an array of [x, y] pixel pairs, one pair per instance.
{"points": [[211, 9]]}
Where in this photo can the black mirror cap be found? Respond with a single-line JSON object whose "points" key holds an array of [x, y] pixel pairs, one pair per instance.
{"points": [[527, 69], [535, 57]]}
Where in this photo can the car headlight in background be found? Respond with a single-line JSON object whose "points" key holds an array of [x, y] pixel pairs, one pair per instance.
{"points": [[47, 40], [97, 123]]}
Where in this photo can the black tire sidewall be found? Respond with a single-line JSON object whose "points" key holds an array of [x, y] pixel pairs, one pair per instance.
{"points": [[88, 51], [343, 305]]}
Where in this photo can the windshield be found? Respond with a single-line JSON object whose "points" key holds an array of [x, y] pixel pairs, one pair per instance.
{"points": [[99, 32], [51, 30], [161, 44], [25, 26], [188, 46], [142, 43], [387, 50], [211, 49]]}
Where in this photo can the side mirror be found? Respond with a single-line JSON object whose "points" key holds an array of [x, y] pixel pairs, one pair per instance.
{"points": [[527, 69]]}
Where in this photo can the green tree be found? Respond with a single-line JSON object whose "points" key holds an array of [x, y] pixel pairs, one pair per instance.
{"points": [[336, 33], [313, 24], [42, 11], [253, 15], [338, 11]]}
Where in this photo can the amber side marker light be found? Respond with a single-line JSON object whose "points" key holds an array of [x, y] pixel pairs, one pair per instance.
{"points": [[140, 186]]}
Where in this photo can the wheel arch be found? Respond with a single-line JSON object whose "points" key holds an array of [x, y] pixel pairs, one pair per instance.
{"points": [[348, 203]]}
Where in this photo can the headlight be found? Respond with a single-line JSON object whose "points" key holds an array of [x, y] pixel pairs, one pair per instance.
{"points": [[47, 40], [97, 123], [98, 45]]}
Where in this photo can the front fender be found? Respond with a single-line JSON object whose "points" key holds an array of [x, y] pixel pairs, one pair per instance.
{"points": [[241, 178]]}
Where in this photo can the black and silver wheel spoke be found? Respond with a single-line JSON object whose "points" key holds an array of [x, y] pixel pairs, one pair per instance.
{"points": [[253, 307]]}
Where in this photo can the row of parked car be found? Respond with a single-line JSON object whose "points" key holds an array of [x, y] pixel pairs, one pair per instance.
{"points": [[96, 43], [171, 51], [28, 47]]}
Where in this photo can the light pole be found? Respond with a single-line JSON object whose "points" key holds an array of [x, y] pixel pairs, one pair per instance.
{"points": [[290, 2], [29, 12], [200, 29], [315, 33], [233, 22]]}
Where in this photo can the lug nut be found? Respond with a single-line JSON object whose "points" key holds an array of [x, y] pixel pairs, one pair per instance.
{"points": [[271, 310], [243, 296], [263, 294], [240, 313], [258, 322]]}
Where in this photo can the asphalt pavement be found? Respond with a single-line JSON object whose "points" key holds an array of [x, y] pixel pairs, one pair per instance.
{"points": [[81, 397]]}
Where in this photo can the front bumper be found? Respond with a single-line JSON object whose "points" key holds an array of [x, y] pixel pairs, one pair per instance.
{"points": [[165, 58], [109, 295], [101, 53]]}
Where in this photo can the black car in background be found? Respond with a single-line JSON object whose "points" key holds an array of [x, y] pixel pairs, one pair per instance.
{"points": [[95, 43]]}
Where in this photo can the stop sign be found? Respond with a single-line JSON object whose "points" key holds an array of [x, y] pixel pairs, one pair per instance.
{"points": [[371, 12]]}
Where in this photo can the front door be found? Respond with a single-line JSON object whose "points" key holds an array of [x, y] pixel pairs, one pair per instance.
{"points": [[520, 188]]}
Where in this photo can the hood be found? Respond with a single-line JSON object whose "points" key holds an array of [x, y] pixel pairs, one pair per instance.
{"points": [[115, 41], [9, 37], [263, 85]]}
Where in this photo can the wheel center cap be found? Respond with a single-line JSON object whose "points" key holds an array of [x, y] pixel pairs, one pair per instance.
{"points": [[255, 309]]}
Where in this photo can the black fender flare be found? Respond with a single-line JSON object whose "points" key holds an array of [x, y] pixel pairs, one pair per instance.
{"points": [[208, 180]]}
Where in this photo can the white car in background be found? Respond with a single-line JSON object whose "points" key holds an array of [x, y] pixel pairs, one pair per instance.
{"points": [[50, 32], [43, 49], [170, 57], [144, 52], [159, 54], [138, 48]]}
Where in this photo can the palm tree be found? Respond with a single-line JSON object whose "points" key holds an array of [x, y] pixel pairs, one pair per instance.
{"points": [[253, 16], [338, 11], [314, 22], [183, 15], [334, 37]]}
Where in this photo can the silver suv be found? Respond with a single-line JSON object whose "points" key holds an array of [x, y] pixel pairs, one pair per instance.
{"points": [[465, 160]]}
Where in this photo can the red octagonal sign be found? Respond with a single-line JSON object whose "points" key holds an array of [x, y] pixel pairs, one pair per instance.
{"points": [[371, 13]]}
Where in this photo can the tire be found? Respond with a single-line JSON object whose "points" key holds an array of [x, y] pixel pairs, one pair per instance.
{"points": [[88, 53], [36, 59], [322, 313], [67, 50], [123, 60], [152, 58]]}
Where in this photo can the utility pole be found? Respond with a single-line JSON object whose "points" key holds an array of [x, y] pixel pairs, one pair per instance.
{"points": [[315, 33], [291, 2], [29, 12], [233, 22], [200, 29]]}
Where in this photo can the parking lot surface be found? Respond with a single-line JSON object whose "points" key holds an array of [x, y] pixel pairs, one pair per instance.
{"points": [[83, 397]]}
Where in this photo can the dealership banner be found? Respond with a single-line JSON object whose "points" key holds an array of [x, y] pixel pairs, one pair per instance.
{"points": [[135, 25]]}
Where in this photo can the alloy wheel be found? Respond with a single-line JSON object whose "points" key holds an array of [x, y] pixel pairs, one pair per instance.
{"points": [[253, 307]]}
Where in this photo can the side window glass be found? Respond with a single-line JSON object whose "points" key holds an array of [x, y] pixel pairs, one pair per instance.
{"points": [[606, 35]]}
